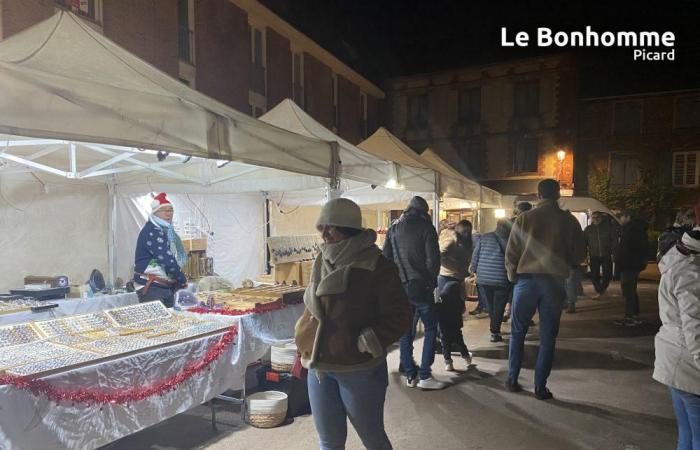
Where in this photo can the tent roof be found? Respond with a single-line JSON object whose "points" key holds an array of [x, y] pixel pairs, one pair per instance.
{"points": [[63, 80], [387, 146], [356, 164]]}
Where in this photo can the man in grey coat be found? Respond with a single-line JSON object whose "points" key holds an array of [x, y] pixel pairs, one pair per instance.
{"points": [[412, 244]]}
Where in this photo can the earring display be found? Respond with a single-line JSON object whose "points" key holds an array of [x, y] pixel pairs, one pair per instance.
{"points": [[245, 299], [135, 314], [17, 334], [38, 348]]}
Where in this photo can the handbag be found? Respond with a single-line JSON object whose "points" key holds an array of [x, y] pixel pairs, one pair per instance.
{"points": [[470, 291]]}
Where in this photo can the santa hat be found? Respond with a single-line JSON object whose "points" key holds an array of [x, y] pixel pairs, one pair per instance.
{"points": [[159, 201]]}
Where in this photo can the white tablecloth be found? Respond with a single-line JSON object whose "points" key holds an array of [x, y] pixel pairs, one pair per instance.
{"points": [[29, 422], [71, 307]]}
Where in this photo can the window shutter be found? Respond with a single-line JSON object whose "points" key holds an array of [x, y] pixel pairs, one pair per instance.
{"points": [[678, 169], [690, 169]]}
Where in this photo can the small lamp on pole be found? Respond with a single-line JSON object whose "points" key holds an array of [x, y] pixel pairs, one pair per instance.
{"points": [[561, 156]]}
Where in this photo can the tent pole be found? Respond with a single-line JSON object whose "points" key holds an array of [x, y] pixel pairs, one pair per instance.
{"points": [[112, 218], [436, 222], [266, 218]]}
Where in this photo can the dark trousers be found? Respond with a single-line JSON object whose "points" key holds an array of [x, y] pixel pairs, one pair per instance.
{"points": [[628, 282], [450, 316], [541, 293], [600, 284], [496, 298], [155, 292]]}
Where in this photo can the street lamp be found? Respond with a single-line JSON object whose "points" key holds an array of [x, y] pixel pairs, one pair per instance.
{"points": [[561, 155]]}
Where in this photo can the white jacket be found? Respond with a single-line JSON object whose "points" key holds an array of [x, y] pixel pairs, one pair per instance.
{"points": [[678, 341]]}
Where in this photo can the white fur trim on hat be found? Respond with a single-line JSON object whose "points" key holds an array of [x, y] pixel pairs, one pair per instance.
{"points": [[159, 201], [340, 212]]}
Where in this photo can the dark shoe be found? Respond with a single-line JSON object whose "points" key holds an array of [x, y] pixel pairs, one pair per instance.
{"points": [[513, 386], [543, 394], [476, 311], [626, 322], [496, 337], [571, 309]]}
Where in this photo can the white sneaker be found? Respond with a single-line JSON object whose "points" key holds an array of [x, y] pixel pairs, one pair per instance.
{"points": [[411, 382], [449, 367], [431, 384], [468, 359]]}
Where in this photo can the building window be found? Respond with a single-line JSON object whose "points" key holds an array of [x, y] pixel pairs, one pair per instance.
{"points": [[364, 132], [527, 98], [336, 110], [418, 111], [624, 169], [469, 107], [471, 152], [526, 156], [688, 112], [257, 68], [298, 78], [685, 169], [627, 118], [185, 33]]}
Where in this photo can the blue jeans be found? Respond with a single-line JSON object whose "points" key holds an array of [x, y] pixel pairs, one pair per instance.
{"points": [[358, 396], [547, 295], [423, 306], [687, 408], [496, 298]]}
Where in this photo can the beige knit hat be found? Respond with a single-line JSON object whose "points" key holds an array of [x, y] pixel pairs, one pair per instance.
{"points": [[340, 212]]}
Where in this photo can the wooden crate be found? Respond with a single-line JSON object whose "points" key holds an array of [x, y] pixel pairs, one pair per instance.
{"points": [[195, 245]]}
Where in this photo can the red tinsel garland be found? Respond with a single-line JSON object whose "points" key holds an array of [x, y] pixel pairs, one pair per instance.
{"points": [[242, 312], [93, 396]]}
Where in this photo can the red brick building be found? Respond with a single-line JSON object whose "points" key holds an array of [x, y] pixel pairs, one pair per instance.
{"points": [[657, 131], [503, 124], [236, 51]]}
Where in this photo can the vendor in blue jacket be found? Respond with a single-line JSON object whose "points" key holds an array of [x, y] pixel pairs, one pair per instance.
{"points": [[159, 255]]}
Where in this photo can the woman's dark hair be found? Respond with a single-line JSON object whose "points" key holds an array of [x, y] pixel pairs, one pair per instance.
{"points": [[348, 232]]}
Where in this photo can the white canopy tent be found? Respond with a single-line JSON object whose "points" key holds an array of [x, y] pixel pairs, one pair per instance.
{"points": [[90, 129]]}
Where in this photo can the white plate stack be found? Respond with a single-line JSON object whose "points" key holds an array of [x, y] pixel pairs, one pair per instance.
{"points": [[267, 409], [282, 357]]}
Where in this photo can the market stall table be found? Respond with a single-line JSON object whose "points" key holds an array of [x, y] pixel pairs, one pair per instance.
{"points": [[70, 307], [29, 421]]}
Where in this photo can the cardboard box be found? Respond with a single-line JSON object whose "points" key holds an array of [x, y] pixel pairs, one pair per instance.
{"points": [[287, 273], [306, 267], [195, 245]]}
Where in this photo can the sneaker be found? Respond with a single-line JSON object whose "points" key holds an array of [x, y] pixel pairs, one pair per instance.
{"points": [[411, 382], [431, 384], [596, 296], [468, 358], [543, 394], [496, 337], [625, 322], [475, 311], [482, 315], [449, 367], [513, 386]]}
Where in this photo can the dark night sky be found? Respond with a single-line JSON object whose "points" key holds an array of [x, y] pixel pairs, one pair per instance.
{"points": [[383, 38]]}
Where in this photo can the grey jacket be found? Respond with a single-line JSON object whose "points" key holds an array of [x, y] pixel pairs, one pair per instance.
{"points": [[412, 244], [678, 341]]}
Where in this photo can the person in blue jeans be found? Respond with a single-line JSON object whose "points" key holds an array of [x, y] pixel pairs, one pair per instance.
{"points": [[544, 244], [412, 244]]}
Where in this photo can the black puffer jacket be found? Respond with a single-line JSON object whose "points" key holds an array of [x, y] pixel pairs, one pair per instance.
{"points": [[632, 253], [412, 243], [668, 239], [601, 240]]}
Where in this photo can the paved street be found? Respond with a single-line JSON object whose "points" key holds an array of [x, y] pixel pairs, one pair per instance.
{"points": [[604, 398]]}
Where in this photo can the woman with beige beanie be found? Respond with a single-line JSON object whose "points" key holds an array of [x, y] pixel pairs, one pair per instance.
{"points": [[355, 308]]}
